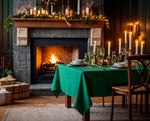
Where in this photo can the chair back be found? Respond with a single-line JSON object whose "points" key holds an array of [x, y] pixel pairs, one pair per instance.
{"points": [[142, 79]]}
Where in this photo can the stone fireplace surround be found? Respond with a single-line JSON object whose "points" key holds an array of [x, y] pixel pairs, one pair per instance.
{"points": [[22, 54]]}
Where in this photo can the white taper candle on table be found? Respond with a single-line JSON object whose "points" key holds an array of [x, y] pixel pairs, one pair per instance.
{"points": [[119, 45], [109, 47], [142, 43], [94, 46], [136, 47], [130, 40], [125, 37]]}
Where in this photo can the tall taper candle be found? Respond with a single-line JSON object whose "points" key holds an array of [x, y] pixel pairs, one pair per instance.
{"points": [[119, 45], [130, 40], [136, 47], [94, 46], [109, 44], [142, 43], [78, 7], [125, 37]]}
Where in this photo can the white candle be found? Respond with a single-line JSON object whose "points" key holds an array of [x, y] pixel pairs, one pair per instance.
{"points": [[87, 10], [125, 37], [51, 9], [94, 46], [142, 43], [78, 7], [119, 45], [136, 47], [66, 12], [31, 11], [109, 48], [130, 41]]}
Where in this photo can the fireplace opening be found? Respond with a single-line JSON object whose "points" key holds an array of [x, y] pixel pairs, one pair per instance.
{"points": [[46, 54], [48, 57]]}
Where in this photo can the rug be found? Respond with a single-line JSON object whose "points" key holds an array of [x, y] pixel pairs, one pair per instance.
{"points": [[58, 112]]}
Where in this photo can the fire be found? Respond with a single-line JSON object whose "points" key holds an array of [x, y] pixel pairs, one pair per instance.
{"points": [[53, 59]]}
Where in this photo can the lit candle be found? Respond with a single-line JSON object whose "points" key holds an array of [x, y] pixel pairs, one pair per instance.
{"points": [[78, 7], [137, 26], [119, 45], [142, 43], [136, 47], [94, 46], [66, 12], [130, 40], [38, 12], [87, 11], [125, 36], [43, 12], [71, 13], [109, 48]]}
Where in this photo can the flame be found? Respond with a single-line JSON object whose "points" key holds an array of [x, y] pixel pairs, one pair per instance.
{"points": [[53, 59]]}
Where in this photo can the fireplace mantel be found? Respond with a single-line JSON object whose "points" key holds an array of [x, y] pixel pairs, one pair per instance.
{"points": [[56, 23]]}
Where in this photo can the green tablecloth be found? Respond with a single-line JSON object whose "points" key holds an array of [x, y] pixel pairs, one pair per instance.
{"points": [[84, 82]]}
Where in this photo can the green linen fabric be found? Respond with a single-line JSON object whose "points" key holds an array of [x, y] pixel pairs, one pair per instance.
{"points": [[85, 82]]}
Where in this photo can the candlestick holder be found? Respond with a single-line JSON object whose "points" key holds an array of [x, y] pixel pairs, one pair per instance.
{"points": [[108, 58]]}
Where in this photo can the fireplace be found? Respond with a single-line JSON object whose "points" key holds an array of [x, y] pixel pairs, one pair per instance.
{"points": [[47, 53]]}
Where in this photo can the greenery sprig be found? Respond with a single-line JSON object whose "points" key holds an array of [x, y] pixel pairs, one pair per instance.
{"points": [[86, 20]]}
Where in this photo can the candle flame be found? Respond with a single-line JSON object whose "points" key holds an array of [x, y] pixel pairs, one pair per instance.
{"points": [[136, 41], [130, 33], [131, 24], [142, 42], [109, 43], [137, 23]]}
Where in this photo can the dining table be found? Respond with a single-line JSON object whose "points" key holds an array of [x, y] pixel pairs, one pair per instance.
{"points": [[84, 82]]}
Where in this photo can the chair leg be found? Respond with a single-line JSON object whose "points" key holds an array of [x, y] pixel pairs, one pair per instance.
{"points": [[141, 106], [103, 101], [146, 101], [112, 107], [130, 107], [123, 100], [136, 101]]}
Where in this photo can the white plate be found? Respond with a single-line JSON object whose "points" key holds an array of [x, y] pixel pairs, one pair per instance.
{"points": [[76, 64]]}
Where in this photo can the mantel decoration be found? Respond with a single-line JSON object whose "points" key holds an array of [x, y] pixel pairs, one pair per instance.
{"points": [[44, 9]]}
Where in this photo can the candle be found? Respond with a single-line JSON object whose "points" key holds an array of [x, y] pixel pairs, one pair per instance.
{"points": [[78, 7], [119, 45], [125, 36], [83, 13], [31, 11], [137, 26], [43, 12], [66, 12], [51, 9], [142, 43], [130, 40], [38, 12], [87, 11], [46, 12], [109, 48], [136, 47], [94, 46], [71, 13]]}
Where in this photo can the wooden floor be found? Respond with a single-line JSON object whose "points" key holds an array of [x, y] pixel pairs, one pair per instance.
{"points": [[39, 101]]}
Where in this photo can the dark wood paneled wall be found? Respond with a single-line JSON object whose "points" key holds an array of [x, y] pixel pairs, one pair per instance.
{"points": [[122, 12], [6, 38]]}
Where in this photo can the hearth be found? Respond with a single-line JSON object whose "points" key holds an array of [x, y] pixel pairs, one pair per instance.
{"points": [[47, 53]]}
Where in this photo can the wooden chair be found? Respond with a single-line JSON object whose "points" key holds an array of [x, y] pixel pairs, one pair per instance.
{"points": [[141, 86]]}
